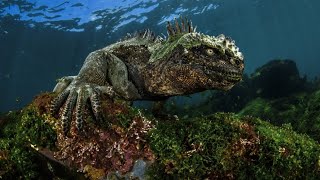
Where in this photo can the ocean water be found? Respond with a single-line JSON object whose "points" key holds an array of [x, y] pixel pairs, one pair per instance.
{"points": [[41, 41]]}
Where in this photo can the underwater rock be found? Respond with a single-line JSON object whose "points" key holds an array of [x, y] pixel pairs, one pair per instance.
{"points": [[277, 78], [301, 110], [229, 146], [99, 149], [20, 136], [94, 153], [135, 145]]}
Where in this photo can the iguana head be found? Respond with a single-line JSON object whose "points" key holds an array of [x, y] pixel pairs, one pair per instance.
{"points": [[194, 62], [218, 57]]}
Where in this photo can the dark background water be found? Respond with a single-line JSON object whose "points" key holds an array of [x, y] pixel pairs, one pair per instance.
{"points": [[41, 41]]}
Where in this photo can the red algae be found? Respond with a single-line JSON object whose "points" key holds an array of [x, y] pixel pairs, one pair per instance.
{"points": [[106, 149]]}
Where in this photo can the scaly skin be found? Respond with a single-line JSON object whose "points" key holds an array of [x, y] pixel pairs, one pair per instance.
{"points": [[147, 67]]}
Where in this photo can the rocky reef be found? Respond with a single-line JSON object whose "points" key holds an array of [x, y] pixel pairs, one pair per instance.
{"points": [[271, 131]]}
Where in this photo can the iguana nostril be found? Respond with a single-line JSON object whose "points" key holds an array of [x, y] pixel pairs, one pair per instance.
{"points": [[237, 61]]}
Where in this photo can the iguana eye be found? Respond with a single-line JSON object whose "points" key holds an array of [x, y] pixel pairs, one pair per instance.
{"points": [[209, 52]]}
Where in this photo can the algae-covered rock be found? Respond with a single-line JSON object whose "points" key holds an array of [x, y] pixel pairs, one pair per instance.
{"points": [[24, 135], [222, 145], [300, 110], [229, 146], [32, 137], [98, 150]]}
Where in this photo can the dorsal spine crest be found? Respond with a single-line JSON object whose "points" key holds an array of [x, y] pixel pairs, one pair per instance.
{"points": [[185, 27]]}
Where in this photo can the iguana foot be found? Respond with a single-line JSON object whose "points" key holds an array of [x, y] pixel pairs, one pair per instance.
{"points": [[74, 98]]}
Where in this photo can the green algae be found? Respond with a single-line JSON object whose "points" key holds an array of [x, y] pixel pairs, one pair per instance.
{"points": [[300, 110], [22, 133], [230, 146], [166, 49]]}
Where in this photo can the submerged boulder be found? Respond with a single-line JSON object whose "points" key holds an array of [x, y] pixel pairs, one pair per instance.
{"points": [[94, 153], [301, 110], [229, 146], [277, 78], [136, 145]]}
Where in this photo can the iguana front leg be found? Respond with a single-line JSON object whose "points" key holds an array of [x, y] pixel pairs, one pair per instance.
{"points": [[73, 92]]}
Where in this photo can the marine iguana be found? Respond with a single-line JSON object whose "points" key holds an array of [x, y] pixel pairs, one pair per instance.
{"points": [[147, 67]]}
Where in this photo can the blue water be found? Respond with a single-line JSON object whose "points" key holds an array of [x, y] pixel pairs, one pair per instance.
{"points": [[41, 41]]}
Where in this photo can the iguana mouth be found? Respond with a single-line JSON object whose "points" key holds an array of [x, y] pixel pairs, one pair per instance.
{"points": [[229, 74]]}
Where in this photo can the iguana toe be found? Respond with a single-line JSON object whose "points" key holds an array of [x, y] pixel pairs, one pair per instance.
{"points": [[81, 101], [96, 104], [67, 111], [58, 101]]}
